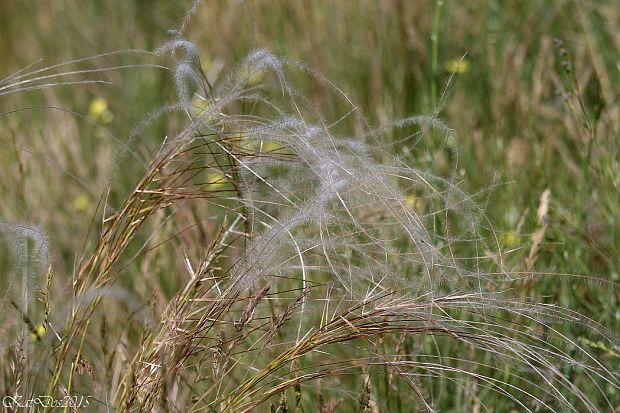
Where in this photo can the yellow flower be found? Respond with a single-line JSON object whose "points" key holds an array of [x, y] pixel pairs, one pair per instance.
{"points": [[457, 67], [99, 111], [81, 203], [414, 203], [38, 332], [510, 239]]}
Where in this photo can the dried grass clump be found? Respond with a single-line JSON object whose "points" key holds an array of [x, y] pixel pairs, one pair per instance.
{"points": [[317, 269], [336, 269]]}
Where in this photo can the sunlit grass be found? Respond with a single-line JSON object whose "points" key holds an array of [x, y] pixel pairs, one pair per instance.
{"points": [[163, 185]]}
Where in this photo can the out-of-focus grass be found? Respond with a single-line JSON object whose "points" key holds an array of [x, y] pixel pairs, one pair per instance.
{"points": [[533, 99]]}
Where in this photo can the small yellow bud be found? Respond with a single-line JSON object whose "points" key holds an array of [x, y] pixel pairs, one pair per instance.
{"points": [[38, 333], [81, 203], [414, 203], [99, 111], [458, 67], [510, 239]]}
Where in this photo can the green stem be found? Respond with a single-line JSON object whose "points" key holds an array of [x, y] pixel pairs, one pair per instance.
{"points": [[435, 52]]}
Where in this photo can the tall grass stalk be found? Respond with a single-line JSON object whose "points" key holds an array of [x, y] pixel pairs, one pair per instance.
{"points": [[278, 263], [436, 31]]}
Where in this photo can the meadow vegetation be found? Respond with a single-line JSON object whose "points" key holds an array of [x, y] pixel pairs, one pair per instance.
{"points": [[357, 206]]}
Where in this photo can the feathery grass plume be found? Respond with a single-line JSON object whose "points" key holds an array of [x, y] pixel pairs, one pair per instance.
{"points": [[188, 77], [30, 78], [336, 263], [282, 264], [25, 261], [317, 269]]}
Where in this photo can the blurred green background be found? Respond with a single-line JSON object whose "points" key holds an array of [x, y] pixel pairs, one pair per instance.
{"points": [[530, 88]]}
